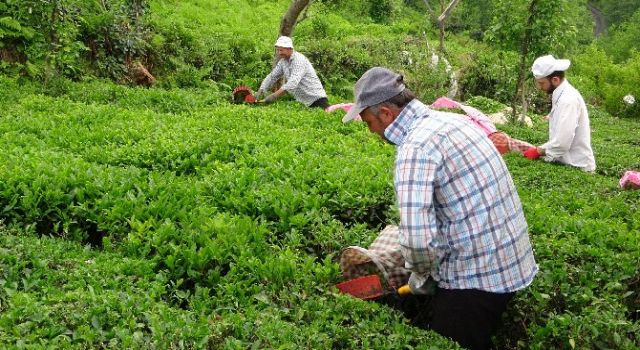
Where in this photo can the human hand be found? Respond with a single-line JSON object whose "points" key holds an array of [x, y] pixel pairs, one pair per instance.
{"points": [[259, 94], [532, 153], [271, 98], [420, 284]]}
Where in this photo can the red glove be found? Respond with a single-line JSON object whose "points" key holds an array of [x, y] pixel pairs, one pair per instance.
{"points": [[532, 153]]}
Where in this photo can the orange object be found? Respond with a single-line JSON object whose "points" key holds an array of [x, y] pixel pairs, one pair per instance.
{"points": [[249, 99], [243, 94], [404, 290], [366, 287], [501, 141]]}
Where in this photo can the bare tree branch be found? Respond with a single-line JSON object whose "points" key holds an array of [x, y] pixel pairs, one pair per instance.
{"points": [[306, 13], [426, 3], [447, 12]]}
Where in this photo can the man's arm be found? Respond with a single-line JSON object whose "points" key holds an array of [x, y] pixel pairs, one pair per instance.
{"points": [[414, 182], [272, 77], [274, 96]]}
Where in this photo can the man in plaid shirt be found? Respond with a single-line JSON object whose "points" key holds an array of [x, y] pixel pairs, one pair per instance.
{"points": [[301, 79], [461, 220]]}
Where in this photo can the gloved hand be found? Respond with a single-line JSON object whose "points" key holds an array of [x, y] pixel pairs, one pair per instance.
{"points": [[421, 284], [270, 99], [259, 95], [532, 153]]}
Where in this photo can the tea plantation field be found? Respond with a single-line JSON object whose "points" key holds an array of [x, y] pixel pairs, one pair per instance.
{"points": [[154, 219]]}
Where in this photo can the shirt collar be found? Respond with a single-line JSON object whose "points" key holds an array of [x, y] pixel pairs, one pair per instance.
{"points": [[290, 57], [559, 90], [400, 127]]}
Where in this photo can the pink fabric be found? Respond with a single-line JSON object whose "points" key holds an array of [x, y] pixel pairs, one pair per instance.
{"points": [[445, 102], [477, 117], [630, 180], [343, 106]]}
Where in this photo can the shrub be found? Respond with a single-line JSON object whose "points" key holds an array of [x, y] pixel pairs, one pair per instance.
{"points": [[605, 83], [489, 73]]}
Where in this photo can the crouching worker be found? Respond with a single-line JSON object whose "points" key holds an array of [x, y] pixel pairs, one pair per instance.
{"points": [[461, 220], [301, 79], [569, 131]]}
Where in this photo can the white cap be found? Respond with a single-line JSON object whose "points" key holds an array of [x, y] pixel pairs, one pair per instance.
{"points": [[545, 65], [284, 41]]}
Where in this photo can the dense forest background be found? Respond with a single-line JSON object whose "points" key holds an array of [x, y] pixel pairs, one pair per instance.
{"points": [[219, 44]]}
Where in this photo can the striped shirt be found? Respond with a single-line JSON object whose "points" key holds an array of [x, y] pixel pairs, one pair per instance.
{"points": [[301, 79], [461, 220]]}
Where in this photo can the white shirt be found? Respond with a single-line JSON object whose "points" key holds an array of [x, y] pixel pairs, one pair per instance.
{"points": [[569, 130], [301, 79]]}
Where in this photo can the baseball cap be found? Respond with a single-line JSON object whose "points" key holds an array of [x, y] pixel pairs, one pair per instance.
{"points": [[376, 85], [543, 66], [284, 41]]}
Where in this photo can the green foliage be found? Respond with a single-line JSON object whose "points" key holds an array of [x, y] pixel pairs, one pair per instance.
{"points": [[622, 39], [115, 33], [50, 38], [489, 73], [197, 223], [617, 11], [235, 226], [58, 294], [470, 16], [380, 10], [486, 105], [553, 29], [603, 82]]}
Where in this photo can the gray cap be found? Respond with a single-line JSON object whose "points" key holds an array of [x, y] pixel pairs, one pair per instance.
{"points": [[376, 85]]}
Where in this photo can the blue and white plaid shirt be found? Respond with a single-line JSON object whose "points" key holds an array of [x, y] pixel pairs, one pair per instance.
{"points": [[301, 79], [461, 220]]}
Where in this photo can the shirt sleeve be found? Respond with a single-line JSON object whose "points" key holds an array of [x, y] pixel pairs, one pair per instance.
{"points": [[414, 182], [298, 70], [562, 130], [270, 79]]}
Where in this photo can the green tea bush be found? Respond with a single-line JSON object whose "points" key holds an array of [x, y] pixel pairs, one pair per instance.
{"points": [[605, 83], [485, 104], [56, 293], [490, 73], [240, 230]]}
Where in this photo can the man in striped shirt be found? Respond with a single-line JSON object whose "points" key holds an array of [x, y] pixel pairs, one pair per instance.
{"points": [[461, 220], [301, 79]]}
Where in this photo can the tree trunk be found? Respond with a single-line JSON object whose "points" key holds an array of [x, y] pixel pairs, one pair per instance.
{"points": [[446, 12], [290, 18], [51, 60], [524, 52], [441, 26]]}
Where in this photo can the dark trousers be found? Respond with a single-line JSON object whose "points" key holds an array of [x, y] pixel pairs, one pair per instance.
{"points": [[468, 316], [320, 103]]}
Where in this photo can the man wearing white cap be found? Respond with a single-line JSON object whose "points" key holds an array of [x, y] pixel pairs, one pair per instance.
{"points": [[301, 79], [569, 130], [461, 220]]}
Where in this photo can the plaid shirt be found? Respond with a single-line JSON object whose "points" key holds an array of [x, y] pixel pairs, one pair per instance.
{"points": [[302, 81], [461, 220]]}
